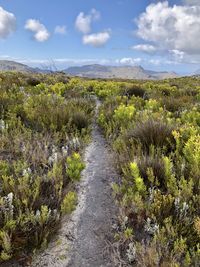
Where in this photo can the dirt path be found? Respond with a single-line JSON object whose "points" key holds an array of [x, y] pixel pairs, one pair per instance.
{"points": [[82, 239]]}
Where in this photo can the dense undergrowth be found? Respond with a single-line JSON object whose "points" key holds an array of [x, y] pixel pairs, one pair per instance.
{"points": [[154, 128], [44, 125]]}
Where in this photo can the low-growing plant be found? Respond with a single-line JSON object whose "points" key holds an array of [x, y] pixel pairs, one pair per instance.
{"points": [[151, 133], [80, 120], [74, 167], [69, 203], [41, 127], [157, 154], [134, 90]]}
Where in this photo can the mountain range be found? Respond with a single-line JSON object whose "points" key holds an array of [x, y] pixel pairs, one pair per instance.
{"points": [[95, 71], [121, 72]]}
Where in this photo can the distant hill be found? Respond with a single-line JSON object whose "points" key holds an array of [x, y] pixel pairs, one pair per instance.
{"points": [[197, 72], [8, 65], [123, 72], [95, 71]]}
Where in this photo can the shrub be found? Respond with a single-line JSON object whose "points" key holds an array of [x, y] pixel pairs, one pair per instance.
{"points": [[157, 153], [173, 104], [151, 133], [152, 167], [138, 180], [32, 81], [40, 126], [134, 90], [80, 120], [74, 167], [123, 114], [69, 203]]}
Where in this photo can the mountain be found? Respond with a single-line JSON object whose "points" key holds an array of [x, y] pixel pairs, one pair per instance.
{"points": [[123, 72], [8, 65], [197, 72], [94, 71]]}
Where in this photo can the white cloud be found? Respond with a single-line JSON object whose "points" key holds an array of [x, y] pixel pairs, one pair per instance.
{"points": [[192, 2], [41, 33], [129, 61], [144, 48], [155, 62], [96, 39], [62, 63], [83, 22], [61, 29], [7, 23], [178, 55], [171, 28]]}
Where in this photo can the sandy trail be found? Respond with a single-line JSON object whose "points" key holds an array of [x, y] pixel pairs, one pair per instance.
{"points": [[82, 238]]}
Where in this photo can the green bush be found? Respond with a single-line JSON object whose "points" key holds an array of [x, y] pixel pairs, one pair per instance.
{"points": [[40, 129], [68, 203], [74, 167], [157, 154], [151, 133], [134, 90], [80, 120]]}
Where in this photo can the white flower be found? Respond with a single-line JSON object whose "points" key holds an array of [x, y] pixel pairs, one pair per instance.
{"points": [[50, 160], [124, 222], [2, 125], [26, 171], [54, 149], [10, 197], [182, 167], [181, 210], [184, 209], [65, 150], [23, 148], [53, 158], [8, 207], [37, 215], [151, 227], [151, 194], [75, 143], [131, 252], [177, 203]]}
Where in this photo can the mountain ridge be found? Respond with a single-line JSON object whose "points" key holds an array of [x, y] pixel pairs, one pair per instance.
{"points": [[10, 65], [123, 72], [95, 71]]}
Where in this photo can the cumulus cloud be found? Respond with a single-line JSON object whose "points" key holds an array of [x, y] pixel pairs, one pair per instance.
{"points": [[129, 61], [96, 39], [144, 48], [7, 23], [83, 22], [41, 33], [177, 55], [171, 28], [61, 30]]}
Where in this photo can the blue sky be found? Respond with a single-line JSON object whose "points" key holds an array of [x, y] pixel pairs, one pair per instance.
{"points": [[159, 35]]}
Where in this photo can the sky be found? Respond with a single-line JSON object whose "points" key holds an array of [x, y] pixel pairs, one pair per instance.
{"points": [[158, 35]]}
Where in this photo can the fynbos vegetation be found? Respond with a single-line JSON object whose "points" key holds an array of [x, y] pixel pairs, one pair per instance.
{"points": [[154, 129], [44, 125]]}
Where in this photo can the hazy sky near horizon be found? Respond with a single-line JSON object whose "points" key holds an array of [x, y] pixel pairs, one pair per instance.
{"points": [[159, 35]]}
